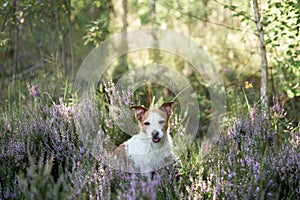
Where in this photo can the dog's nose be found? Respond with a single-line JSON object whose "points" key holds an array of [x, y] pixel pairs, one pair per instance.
{"points": [[155, 133]]}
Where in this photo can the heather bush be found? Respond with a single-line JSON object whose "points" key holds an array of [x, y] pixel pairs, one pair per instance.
{"points": [[44, 155], [252, 161]]}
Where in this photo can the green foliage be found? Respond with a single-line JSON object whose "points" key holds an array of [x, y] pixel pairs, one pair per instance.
{"points": [[281, 22], [98, 30], [96, 33]]}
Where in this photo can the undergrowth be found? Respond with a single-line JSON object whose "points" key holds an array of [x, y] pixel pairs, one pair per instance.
{"points": [[44, 157]]}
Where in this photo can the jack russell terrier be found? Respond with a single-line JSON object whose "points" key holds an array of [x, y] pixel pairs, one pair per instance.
{"points": [[150, 149]]}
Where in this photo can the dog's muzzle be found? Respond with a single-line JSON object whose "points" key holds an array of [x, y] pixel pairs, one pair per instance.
{"points": [[155, 137]]}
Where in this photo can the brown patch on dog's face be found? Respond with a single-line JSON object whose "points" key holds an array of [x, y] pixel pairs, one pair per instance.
{"points": [[144, 118], [167, 108], [139, 112]]}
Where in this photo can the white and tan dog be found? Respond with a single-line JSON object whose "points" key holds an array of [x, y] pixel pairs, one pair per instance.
{"points": [[151, 149]]}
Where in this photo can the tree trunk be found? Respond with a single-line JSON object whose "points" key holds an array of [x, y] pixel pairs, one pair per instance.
{"points": [[125, 15], [63, 46], [153, 10], [124, 29], [263, 55], [16, 40], [71, 40], [205, 5], [154, 53]]}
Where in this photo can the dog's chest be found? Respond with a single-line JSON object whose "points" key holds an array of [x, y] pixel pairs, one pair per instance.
{"points": [[145, 155], [138, 145]]}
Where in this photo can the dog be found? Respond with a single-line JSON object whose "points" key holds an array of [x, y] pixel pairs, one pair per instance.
{"points": [[152, 147]]}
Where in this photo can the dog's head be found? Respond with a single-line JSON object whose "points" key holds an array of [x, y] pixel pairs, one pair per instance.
{"points": [[154, 123]]}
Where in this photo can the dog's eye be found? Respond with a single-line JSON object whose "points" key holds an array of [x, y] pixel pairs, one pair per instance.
{"points": [[146, 123], [161, 122]]}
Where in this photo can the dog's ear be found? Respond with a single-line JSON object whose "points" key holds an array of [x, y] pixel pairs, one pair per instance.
{"points": [[139, 111], [167, 108]]}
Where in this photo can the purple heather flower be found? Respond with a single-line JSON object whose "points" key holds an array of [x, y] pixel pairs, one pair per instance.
{"points": [[242, 162], [33, 90], [231, 175], [249, 160], [269, 194], [230, 160], [277, 110], [257, 190], [254, 113]]}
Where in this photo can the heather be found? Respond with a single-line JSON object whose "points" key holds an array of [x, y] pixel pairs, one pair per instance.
{"points": [[43, 156]]}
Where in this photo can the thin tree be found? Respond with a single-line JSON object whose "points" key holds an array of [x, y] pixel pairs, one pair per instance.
{"points": [[154, 54], [263, 55], [125, 25], [68, 7], [123, 63], [63, 39], [153, 9], [16, 39]]}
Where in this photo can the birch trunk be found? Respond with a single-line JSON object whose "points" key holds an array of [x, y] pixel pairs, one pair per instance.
{"points": [[263, 55], [153, 9], [124, 29]]}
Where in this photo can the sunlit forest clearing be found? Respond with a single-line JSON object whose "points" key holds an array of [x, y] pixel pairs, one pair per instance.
{"points": [[251, 48]]}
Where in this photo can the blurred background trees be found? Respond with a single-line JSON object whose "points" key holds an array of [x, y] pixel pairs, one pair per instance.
{"points": [[44, 42]]}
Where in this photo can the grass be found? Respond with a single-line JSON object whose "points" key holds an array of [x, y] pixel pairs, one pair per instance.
{"points": [[44, 157]]}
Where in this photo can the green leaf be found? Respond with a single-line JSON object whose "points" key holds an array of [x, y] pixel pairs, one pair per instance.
{"points": [[289, 52], [277, 4], [233, 7], [291, 37], [97, 4], [290, 94], [268, 41], [291, 46]]}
